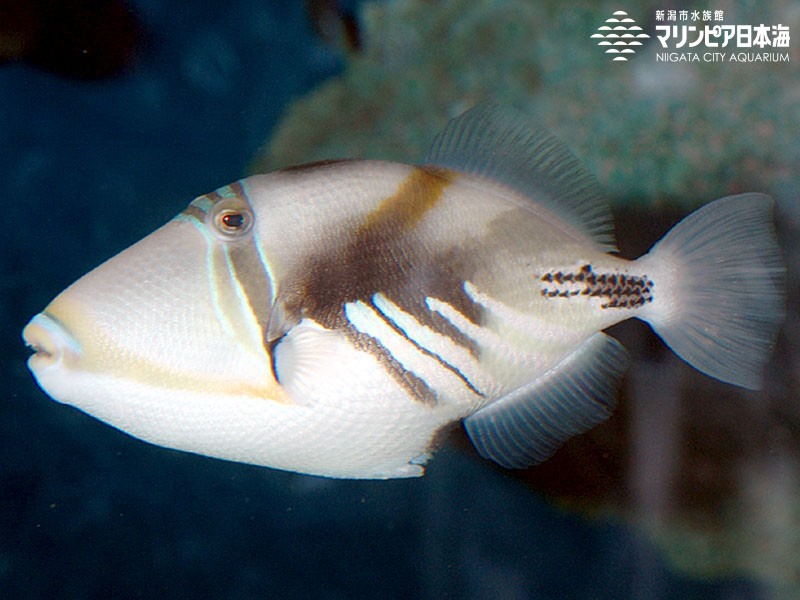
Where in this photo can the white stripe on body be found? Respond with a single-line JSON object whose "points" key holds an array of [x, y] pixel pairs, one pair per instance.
{"points": [[398, 332]]}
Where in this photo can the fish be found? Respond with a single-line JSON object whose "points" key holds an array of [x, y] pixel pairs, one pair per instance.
{"points": [[340, 318]]}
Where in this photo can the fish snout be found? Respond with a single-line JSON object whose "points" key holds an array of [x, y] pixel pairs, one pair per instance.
{"points": [[52, 343]]}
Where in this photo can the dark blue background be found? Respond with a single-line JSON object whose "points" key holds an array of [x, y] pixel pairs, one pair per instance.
{"points": [[87, 168]]}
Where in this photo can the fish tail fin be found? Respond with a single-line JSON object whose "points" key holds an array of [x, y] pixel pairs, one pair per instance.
{"points": [[719, 290]]}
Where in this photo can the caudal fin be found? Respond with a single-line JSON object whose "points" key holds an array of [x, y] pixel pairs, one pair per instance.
{"points": [[719, 290]]}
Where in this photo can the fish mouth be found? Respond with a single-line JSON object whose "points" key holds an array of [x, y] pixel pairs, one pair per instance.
{"points": [[50, 341]]}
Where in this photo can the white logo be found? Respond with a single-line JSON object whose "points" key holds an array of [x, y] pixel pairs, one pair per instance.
{"points": [[727, 43], [620, 32]]}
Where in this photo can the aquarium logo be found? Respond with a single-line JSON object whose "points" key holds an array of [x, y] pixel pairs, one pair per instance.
{"points": [[621, 35], [741, 43]]}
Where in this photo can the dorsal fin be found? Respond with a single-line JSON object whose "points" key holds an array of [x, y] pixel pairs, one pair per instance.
{"points": [[504, 145]]}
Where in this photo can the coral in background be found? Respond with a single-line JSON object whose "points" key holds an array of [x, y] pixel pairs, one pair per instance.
{"points": [[410, 78], [687, 132]]}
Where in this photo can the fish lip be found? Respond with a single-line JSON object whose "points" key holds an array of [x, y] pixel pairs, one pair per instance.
{"points": [[50, 341]]}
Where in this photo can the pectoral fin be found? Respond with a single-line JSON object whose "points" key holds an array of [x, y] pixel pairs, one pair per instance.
{"points": [[530, 424]]}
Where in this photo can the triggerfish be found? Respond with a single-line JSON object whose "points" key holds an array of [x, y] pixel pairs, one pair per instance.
{"points": [[338, 318]]}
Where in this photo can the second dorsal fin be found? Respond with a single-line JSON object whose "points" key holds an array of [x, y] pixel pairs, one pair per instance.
{"points": [[502, 144]]}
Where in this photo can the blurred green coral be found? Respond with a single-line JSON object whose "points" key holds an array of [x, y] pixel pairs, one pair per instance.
{"points": [[422, 63], [650, 131]]}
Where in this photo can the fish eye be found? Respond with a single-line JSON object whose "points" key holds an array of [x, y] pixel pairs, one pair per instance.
{"points": [[233, 222]]}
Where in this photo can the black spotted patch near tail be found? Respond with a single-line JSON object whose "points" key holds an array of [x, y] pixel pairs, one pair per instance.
{"points": [[616, 289]]}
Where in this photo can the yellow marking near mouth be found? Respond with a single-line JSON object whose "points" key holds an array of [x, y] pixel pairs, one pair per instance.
{"points": [[100, 354]]}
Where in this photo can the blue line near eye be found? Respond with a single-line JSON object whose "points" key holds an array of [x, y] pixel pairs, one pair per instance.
{"points": [[226, 192]]}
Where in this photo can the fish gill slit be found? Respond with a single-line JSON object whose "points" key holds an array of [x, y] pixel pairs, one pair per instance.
{"points": [[273, 361]]}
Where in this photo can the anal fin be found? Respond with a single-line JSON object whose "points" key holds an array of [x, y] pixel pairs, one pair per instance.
{"points": [[527, 426]]}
